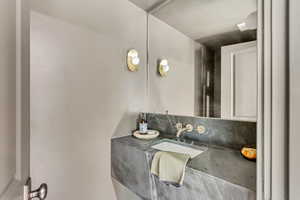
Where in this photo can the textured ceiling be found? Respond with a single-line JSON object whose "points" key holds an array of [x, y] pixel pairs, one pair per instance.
{"points": [[202, 18]]}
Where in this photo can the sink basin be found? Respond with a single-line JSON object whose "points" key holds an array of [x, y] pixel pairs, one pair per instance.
{"points": [[177, 148]]}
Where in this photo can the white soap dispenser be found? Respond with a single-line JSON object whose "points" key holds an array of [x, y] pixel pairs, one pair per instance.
{"points": [[143, 125]]}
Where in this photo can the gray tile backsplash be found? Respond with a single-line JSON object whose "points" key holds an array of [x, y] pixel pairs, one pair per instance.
{"points": [[228, 133]]}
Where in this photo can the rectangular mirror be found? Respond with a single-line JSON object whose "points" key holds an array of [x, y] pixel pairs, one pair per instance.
{"points": [[202, 57]]}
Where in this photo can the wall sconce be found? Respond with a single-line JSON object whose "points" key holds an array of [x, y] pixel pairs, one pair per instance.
{"points": [[133, 60], [163, 67]]}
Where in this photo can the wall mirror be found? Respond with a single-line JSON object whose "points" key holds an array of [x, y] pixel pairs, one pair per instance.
{"points": [[212, 50]]}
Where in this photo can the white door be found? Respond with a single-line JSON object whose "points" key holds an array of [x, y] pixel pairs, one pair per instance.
{"points": [[239, 81], [14, 100]]}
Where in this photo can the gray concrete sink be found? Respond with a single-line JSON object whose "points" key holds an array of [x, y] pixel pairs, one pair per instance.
{"points": [[216, 173]]}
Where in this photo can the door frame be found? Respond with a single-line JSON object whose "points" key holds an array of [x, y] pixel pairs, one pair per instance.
{"points": [[23, 89], [294, 89], [15, 187], [272, 123]]}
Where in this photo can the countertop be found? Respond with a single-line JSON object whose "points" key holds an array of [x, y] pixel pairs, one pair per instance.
{"points": [[224, 163]]}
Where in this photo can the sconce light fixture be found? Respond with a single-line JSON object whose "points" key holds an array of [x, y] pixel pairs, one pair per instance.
{"points": [[163, 67], [133, 60]]}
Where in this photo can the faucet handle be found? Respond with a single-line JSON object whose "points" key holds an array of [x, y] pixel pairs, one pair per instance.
{"points": [[179, 126], [201, 129], [189, 127]]}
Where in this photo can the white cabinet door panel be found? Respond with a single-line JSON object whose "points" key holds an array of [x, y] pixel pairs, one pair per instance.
{"points": [[239, 81]]}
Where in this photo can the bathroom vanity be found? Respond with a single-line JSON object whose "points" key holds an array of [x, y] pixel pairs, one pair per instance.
{"points": [[219, 172]]}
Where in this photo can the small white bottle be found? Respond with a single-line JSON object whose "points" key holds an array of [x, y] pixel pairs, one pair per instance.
{"points": [[143, 125]]}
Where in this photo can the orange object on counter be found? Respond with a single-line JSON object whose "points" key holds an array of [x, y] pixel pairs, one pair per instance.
{"points": [[249, 153]]}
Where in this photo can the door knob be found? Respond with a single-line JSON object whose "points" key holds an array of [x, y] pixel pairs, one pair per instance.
{"points": [[40, 193]]}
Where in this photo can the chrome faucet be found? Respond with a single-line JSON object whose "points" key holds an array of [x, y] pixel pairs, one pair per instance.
{"points": [[180, 129]]}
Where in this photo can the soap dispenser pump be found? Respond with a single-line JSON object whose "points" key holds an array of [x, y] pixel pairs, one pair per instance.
{"points": [[143, 125]]}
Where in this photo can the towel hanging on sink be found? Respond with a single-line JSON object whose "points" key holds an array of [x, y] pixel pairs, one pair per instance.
{"points": [[170, 167]]}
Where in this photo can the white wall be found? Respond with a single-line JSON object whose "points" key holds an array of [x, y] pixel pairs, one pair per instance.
{"points": [[7, 92], [294, 149], [81, 91], [176, 91]]}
